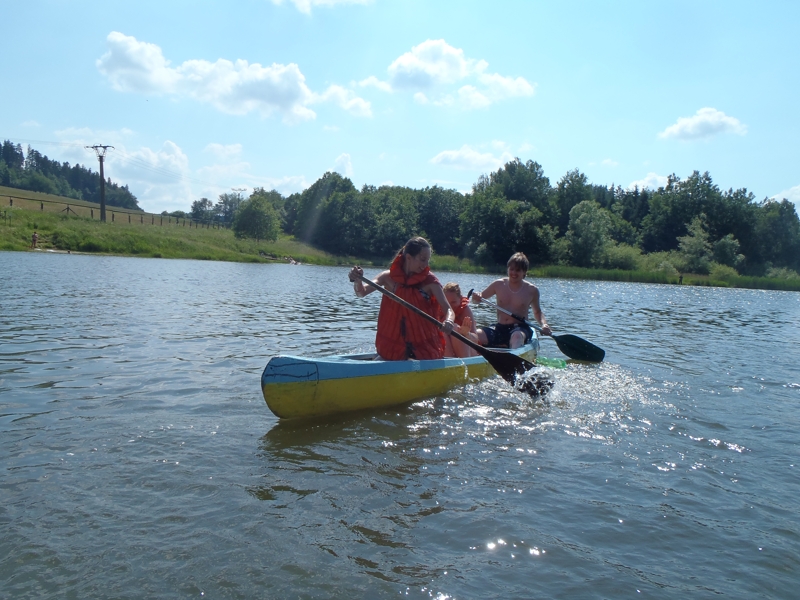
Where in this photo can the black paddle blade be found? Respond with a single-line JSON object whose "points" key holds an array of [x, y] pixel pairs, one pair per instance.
{"points": [[578, 348], [506, 364], [514, 369], [534, 385]]}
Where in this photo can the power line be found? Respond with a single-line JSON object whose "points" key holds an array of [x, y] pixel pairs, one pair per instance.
{"points": [[136, 161]]}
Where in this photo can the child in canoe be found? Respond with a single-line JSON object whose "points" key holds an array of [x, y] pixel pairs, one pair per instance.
{"points": [[517, 296], [465, 322]]}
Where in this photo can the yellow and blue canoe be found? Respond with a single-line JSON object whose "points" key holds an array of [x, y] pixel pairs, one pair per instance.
{"points": [[297, 387]]}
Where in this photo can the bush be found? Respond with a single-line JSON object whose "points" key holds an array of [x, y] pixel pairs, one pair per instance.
{"points": [[483, 255], [720, 272], [782, 273], [622, 256], [257, 218]]}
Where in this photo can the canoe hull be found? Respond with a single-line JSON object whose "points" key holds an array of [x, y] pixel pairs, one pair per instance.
{"points": [[296, 387]]}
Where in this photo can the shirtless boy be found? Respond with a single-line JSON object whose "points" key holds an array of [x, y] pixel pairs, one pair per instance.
{"points": [[515, 295]]}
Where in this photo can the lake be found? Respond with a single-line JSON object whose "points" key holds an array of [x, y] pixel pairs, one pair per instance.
{"points": [[139, 460]]}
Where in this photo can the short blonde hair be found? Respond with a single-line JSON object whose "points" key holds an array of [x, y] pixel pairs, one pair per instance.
{"points": [[452, 287]]}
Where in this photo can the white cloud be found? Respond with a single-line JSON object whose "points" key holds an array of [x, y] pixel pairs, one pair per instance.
{"points": [[343, 165], [285, 185], [77, 138], [434, 67], [608, 162], [236, 87], [499, 87], [305, 6], [470, 97], [705, 123], [467, 157], [346, 100], [429, 63], [31, 123], [331, 128], [651, 181], [162, 179], [224, 152], [421, 98], [373, 81], [525, 147], [792, 195]]}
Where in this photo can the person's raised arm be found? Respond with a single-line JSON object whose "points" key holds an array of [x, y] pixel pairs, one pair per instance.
{"points": [[437, 292], [358, 285], [538, 314], [487, 293]]}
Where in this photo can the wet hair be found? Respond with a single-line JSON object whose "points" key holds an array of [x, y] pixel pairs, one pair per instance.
{"points": [[519, 260], [414, 246], [452, 287]]}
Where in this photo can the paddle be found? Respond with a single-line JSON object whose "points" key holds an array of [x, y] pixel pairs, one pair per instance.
{"points": [[571, 345], [508, 365]]}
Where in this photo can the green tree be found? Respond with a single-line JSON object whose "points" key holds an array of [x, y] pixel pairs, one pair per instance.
{"points": [[726, 251], [257, 218], [307, 220], [349, 221], [489, 220], [395, 219], [572, 189], [226, 206], [439, 217], [533, 236], [777, 228], [673, 207], [202, 210], [524, 182], [695, 248], [588, 233]]}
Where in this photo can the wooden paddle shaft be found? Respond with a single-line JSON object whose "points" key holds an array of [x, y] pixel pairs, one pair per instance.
{"points": [[511, 314]]}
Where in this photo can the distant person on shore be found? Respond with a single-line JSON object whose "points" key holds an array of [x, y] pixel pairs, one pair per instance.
{"points": [[465, 322], [515, 295], [35, 240], [403, 334]]}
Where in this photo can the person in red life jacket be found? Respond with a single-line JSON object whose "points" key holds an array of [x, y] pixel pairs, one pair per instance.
{"points": [[402, 334], [465, 322]]}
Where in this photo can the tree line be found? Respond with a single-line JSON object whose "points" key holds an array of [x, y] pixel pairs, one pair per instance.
{"points": [[37, 173], [688, 225]]}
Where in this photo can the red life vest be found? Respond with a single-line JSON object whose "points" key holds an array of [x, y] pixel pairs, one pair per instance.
{"points": [[459, 312], [403, 334]]}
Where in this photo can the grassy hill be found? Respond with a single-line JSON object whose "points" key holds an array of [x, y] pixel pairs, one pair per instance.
{"points": [[133, 233]]}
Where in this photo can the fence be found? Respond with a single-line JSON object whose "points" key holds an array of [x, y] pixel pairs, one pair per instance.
{"points": [[114, 214]]}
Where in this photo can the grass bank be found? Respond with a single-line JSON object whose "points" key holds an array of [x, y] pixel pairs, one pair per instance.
{"points": [[732, 281], [66, 232], [59, 231]]}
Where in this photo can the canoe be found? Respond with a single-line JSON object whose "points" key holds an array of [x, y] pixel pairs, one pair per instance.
{"points": [[297, 387]]}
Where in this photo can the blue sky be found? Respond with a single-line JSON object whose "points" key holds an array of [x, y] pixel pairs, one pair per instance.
{"points": [[199, 98]]}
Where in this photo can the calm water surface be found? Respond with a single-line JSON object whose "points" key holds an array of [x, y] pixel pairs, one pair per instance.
{"points": [[139, 460]]}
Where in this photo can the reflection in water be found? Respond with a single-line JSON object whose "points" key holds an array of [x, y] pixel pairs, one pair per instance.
{"points": [[139, 458]]}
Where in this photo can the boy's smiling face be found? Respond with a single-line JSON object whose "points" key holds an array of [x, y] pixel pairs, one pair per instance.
{"points": [[515, 274]]}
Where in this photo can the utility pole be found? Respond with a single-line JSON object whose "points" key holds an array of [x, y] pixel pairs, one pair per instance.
{"points": [[101, 154], [238, 200]]}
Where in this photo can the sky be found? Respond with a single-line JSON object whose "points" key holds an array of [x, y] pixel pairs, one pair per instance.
{"points": [[202, 98]]}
